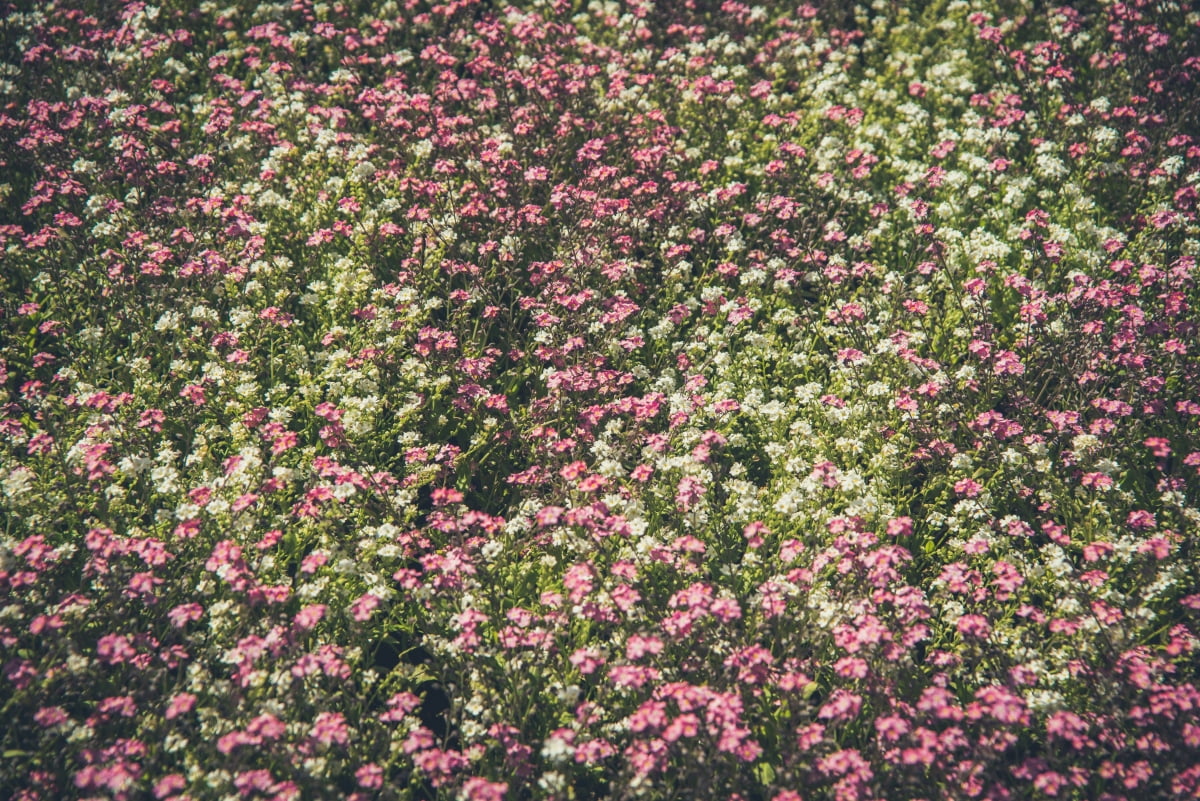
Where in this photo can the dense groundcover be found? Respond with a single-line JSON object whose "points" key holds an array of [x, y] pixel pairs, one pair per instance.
{"points": [[599, 401]]}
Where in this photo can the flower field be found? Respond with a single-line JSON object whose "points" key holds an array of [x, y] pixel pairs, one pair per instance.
{"points": [[599, 400]]}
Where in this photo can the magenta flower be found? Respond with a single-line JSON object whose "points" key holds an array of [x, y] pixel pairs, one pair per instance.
{"points": [[180, 704], [330, 729], [113, 649], [974, 626]]}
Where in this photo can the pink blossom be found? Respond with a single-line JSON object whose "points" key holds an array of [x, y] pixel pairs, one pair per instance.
{"points": [[48, 717], [309, 616], [313, 562], [113, 649], [330, 728], [638, 646], [968, 487], [400, 705], [587, 660], [974, 626], [594, 751], [689, 492], [479, 789], [1141, 519], [169, 785], [363, 608], [369, 776], [181, 703], [841, 706]]}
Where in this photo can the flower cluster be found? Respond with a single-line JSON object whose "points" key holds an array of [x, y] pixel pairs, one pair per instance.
{"points": [[599, 400]]}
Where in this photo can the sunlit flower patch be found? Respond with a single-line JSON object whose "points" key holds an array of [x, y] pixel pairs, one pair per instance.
{"points": [[599, 400]]}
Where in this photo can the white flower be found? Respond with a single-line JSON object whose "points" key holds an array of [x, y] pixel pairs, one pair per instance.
{"points": [[168, 321]]}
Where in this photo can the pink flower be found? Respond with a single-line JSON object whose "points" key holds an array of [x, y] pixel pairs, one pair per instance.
{"points": [[444, 496], [369, 776], [226, 555], [309, 616], [688, 493], [594, 751], [49, 716], [1068, 726], [243, 502], [266, 726], [194, 393], [180, 704], [169, 784], [251, 781], [363, 608], [578, 581], [1007, 363], [850, 355], [330, 729], [684, 726], [549, 516], [851, 667], [1003, 705], [122, 705], [1106, 614], [638, 646], [978, 348], [625, 597], [975, 626], [790, 549], [842, 705], [284, 441], [113, 649], [891, 728], [847, 762], [438, 765], [592, 483], [753, 532], [725, 609], [808, 737], [1141, 519], [968, 487], [632, 675], [399, 706], [1098, 481], [480, 789], [587, 660], [1159, 446], [313, 561], [753, 663]]}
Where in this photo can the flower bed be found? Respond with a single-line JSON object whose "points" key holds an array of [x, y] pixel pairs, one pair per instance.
{"points": [[599, 400]]}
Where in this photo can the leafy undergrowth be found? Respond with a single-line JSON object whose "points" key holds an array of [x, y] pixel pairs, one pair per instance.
{"points": [[599, 400]]}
